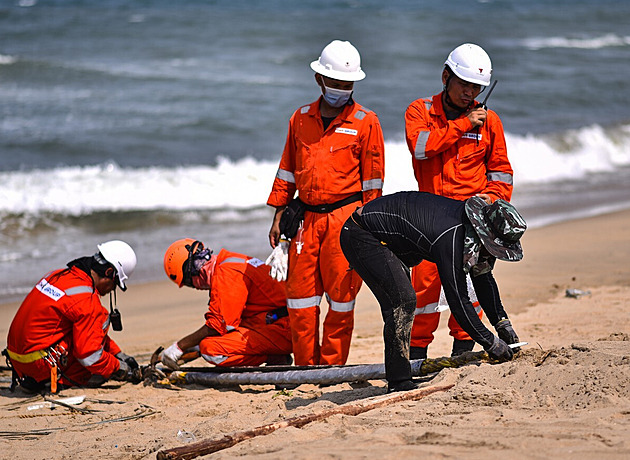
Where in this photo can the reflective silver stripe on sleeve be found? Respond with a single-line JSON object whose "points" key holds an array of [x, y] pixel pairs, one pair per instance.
{"points": [[342, 306], [305, 109], [285, 175], [372, 184], [306, 302], [427, 309], [106, 323], [360, 115], [93, 358], [233, 260], [500, 177], [421, 145], [79, 290]]}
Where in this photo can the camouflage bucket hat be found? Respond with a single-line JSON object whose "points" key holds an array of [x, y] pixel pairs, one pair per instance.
{"points": [[499, 226]]}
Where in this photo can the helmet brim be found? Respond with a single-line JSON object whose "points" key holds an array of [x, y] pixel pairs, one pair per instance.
{"points": [[337, 75]]}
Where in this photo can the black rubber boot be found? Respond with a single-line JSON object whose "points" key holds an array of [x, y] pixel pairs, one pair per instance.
{"points": [[418, 352], [405, 385], [461, 346]]}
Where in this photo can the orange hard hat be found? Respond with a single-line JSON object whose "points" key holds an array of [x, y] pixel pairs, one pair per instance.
{"points": [[175, 257]]}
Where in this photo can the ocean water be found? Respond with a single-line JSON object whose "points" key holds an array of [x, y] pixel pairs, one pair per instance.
{"points": [[150, 121]]}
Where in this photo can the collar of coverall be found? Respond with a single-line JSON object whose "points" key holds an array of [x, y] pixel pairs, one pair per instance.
{"points": [[204, 279]]}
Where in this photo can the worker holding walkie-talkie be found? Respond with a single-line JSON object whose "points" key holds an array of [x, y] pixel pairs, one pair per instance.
{"points": [[458, 149]]}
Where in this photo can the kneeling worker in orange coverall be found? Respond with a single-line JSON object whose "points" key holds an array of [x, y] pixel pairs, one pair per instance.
{"points": [[59, 335], [247, 323]]}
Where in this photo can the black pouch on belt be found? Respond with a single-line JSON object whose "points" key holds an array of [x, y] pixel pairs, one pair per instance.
{"points": [[292, 217]]}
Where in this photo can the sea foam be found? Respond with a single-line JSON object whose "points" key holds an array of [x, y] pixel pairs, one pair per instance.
{"points": [[245, 184]]}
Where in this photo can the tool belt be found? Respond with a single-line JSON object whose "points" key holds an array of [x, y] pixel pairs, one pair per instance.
{"points": [[56, 356], [326, 208]]}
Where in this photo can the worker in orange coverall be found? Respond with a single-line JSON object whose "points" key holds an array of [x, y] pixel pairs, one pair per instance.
{"points": [[334, 159], [246, 323], [458, 149], [59, 335]]}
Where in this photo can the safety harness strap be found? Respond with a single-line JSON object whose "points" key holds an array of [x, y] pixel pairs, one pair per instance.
{"points": [[26, 358]]}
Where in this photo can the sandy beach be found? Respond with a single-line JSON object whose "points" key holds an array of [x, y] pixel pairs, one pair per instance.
{"points": [[566, 395]]}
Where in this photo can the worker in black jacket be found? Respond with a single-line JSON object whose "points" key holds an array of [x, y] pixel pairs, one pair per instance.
{"points": [[385, 238]]}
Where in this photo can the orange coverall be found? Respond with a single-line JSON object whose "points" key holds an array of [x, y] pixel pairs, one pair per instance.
{"points": [[452, 160], [241, 294], [326, 167], [62, 322]]}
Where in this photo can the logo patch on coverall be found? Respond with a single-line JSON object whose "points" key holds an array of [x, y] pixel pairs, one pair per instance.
{"points": [[49, 290], [352, 132], [471, 136], [255, 262]]}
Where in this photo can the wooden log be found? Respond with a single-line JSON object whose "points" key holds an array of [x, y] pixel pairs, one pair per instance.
{"points": [[208, 446]]}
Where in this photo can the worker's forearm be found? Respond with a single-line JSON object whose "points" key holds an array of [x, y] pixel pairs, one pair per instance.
{"points": [[192, 340]]}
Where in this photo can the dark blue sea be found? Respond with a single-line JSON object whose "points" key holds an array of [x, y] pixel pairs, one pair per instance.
{"points": [[154, 120]]}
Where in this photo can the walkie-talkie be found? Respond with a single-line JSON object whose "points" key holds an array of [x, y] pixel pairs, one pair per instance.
{"points": [[483, 104], [114, 315]]}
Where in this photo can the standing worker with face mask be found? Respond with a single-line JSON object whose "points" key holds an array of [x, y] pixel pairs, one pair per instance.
{"points": [[334, 159], [458, 151], [59, 335]]}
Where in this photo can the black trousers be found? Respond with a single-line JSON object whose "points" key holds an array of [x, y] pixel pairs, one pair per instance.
{"points": [[390, 282]]}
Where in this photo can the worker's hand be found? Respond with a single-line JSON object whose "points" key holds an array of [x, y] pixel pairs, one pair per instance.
{"points": [[477, 116], [506, 333], [130, 360], [126, 374], [274, 232], [170, 356], [485, 197], [499, 351], [278, 260]]}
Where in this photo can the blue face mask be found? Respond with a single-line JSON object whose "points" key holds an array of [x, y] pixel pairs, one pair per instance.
{"points": [[337, 97]]}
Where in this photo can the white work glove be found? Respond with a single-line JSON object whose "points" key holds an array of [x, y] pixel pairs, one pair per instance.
{"points": [[170, 356], [278, 260]]}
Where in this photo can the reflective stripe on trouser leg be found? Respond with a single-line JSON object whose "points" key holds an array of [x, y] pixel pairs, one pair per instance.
{"points": [[426, 283], [304, 291], [304, 333], [337, 333], [456, 331], [246, 347], [341, 286]]}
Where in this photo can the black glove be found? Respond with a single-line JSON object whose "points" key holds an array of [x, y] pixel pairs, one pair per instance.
{"points": [[499, 351], [126, 374], [95, 381], [506, 333], [130, 360]]}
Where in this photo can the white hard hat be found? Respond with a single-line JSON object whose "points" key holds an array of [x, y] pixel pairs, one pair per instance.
{"points": [[121, 256], [470, 63], [341, 61]]}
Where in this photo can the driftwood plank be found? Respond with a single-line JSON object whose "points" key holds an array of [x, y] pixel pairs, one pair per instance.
{"points": [[208, 446]]}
